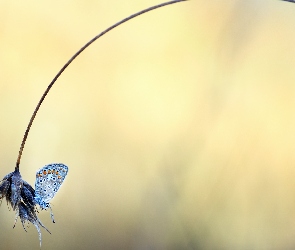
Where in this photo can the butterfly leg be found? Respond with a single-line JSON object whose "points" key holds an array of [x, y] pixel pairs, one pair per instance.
{"points": [[51, 214]]}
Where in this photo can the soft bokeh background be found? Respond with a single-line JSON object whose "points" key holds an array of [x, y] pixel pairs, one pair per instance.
{"points": [[178, 126]]}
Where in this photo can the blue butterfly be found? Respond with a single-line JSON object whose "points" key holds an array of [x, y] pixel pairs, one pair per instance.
{"points": [[48, 181]]}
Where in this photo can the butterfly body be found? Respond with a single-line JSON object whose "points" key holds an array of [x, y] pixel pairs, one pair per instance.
{"points": [[48, 180]]}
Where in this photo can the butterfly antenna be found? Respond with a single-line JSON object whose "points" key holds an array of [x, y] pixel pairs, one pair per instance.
{"points": [[71, 60]]}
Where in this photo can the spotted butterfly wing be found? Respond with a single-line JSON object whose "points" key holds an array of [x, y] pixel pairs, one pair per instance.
{"points": [[48, 181]]}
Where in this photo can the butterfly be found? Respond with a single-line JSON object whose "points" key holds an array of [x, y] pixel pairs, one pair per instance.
{"points": [[48, 180]]}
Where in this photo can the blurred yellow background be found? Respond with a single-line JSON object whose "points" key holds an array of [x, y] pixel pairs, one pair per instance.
{"points": [[177, 127]]}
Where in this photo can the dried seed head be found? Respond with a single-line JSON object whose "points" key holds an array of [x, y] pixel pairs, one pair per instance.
{"points": [[20, 196]]}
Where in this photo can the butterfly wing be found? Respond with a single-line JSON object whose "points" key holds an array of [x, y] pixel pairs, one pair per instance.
{"points": [[48, 180]]}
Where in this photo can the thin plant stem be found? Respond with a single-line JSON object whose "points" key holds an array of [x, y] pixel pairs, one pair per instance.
{"points": [[71, 60]]}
